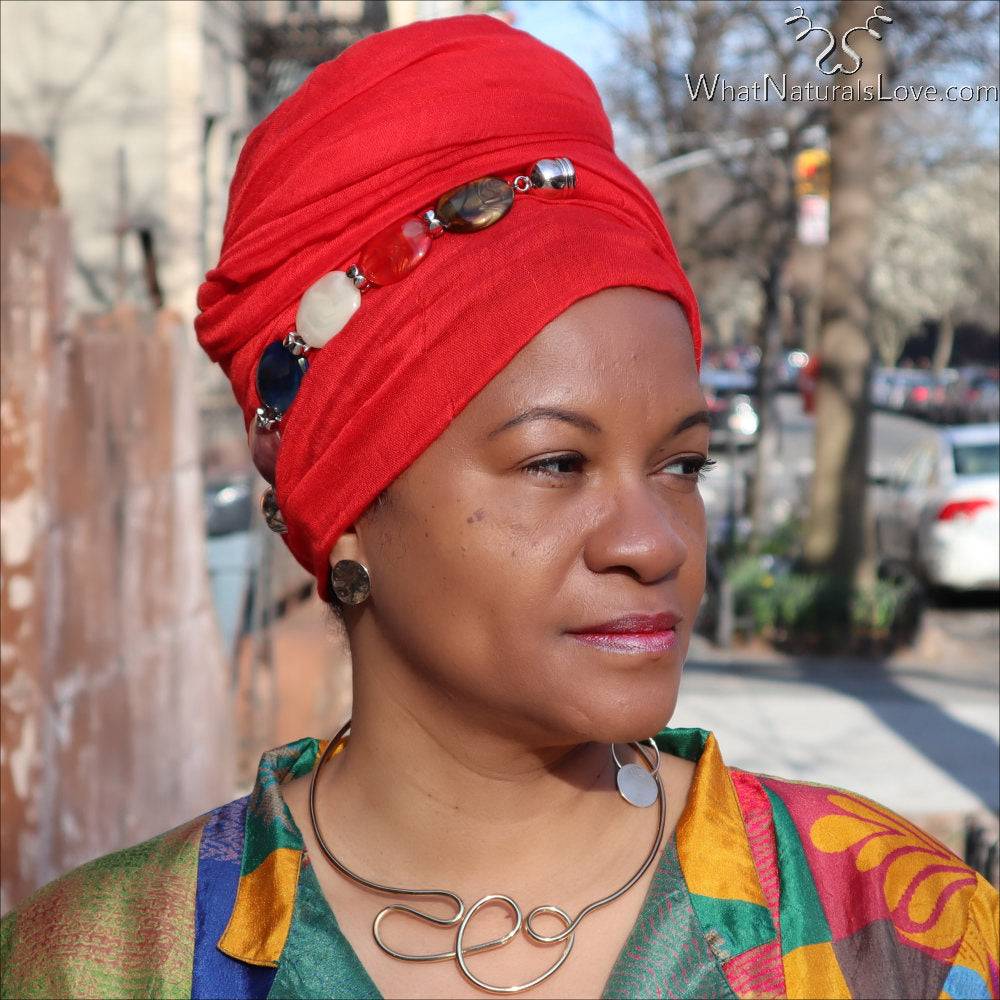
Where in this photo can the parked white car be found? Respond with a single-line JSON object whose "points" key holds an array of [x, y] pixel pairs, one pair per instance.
{"points": [[941, 511]]}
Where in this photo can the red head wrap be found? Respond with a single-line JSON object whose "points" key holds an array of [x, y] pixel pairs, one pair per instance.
{"points": [[376, 135]]}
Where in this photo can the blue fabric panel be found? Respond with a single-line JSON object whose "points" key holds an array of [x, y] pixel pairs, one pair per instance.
{"points": [[214, 974]]}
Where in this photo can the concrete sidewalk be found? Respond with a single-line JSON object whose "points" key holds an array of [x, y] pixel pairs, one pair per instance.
{"points": [[920, 739]]}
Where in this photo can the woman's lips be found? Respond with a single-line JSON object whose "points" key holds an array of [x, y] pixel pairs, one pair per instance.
{"points": [[633, 632], [630, 642]]}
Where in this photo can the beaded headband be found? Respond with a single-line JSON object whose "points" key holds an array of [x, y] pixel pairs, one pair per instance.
{"points": [[326, 306]]}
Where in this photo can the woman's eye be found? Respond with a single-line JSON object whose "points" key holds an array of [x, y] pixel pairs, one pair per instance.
{"points": [[557, 465], [695, 466]]}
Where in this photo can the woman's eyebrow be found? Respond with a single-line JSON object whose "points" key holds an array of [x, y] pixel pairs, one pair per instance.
{"points": [[585, 423], [548, 413], [692, 420]]}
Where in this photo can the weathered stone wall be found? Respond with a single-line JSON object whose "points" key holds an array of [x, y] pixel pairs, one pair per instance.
{"points": [[116, 707]]}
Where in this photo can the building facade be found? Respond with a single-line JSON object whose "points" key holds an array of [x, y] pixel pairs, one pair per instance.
{"points": [[143, 108]]}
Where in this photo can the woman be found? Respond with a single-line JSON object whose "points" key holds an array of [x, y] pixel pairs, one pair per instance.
{"points": [[485, 433]]}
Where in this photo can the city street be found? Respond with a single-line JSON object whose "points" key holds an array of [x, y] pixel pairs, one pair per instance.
{"points": [[967, 626], [918, 732], [893, 437]]}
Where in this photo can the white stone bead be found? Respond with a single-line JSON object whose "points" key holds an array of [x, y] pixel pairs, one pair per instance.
{"points": [[325, 308]]}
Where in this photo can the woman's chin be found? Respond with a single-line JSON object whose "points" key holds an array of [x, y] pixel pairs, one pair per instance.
{"points": [[627, 715]]}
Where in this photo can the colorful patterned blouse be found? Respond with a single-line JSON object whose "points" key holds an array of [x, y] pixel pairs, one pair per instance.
{"points": [[768, 888]]}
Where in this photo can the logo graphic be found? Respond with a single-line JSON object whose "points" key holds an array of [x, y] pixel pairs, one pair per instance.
{"points": [[877, 15]]}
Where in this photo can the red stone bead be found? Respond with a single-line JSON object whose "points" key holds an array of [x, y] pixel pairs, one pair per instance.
{"points": [[264, 445], [394, 252]]}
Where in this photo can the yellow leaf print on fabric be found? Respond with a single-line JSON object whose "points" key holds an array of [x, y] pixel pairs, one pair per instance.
{"points": [[925, 887]]}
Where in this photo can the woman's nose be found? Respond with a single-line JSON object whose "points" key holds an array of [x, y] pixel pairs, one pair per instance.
{"points": [[642, 531]]}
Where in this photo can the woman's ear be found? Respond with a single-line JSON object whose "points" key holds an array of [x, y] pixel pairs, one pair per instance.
{"points": [[348, 546]]}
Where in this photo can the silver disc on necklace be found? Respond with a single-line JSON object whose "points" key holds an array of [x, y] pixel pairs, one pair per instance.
{"points": [[636, 785]]}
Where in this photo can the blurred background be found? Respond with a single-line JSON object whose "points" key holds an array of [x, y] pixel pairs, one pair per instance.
{"points": [[157, 637]]}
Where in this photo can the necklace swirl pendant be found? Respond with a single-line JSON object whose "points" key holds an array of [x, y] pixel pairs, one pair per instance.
{"points": [[636, 784]]}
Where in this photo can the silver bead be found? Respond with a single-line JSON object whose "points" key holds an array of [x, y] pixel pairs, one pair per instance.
{"points": [[435, 227], [354, 273], [266, 417], [553, 176], [272, 513], [295, 344]]}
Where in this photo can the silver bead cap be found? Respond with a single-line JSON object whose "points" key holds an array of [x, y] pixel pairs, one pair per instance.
{"points": [[435, 227], [294, 343], [355, 274], [553, 176], [267, 418]]}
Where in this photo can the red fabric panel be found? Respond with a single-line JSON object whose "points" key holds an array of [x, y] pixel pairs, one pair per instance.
{"points": [[371, 137]]}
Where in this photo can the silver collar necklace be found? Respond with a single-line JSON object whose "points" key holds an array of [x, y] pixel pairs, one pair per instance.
{"points": [[637, 785]]}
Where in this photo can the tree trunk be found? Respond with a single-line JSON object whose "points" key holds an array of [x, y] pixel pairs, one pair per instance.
{"points": [[768, 430], [945, 342], [837, 531], [810, 324]]}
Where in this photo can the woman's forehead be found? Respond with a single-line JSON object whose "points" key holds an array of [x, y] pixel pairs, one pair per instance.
{"points": [[619, 343]]}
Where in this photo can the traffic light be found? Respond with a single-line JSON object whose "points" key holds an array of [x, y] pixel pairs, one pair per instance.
{"points": [[812, 173]]}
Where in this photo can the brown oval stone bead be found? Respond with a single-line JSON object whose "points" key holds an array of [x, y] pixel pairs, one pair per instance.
{"points": [[475, 206]]}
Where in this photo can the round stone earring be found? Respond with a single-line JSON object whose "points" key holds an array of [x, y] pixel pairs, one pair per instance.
{"points": [[350, 581]]}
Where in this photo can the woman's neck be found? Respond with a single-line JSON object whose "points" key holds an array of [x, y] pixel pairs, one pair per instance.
{"points": [[461, 807]]}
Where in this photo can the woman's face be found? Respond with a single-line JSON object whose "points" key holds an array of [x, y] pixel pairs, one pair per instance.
{"points": [[564, 495]]}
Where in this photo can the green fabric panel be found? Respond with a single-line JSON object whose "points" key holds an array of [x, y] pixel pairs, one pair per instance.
{"points": [[667, 953], [686, 743], [269, 824], [318, 961], [120, 926], [801, 913], [740, 924], [7, 931]]}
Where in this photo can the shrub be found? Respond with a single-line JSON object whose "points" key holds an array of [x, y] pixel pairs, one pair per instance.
{"points": [[817, 611]]}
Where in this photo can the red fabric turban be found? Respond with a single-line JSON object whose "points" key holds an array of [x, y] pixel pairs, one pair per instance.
{"points": [[376, 135]]}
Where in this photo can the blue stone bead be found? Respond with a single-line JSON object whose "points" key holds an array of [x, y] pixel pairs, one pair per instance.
{"points": [[279, 375]]}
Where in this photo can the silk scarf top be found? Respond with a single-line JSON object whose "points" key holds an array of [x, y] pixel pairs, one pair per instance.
{"points": [[767, 888]]}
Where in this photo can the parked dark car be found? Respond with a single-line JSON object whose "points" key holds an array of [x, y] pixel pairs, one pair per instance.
{"points": [[229, 506], [973, 397], [789, 367], [729, 395]]}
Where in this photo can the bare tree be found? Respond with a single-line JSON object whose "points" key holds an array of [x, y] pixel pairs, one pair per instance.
{"points": [[46, 93], [45, 101], [734, 217], [937, 257], [732, 214], [927, 42], [936, 225]]}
